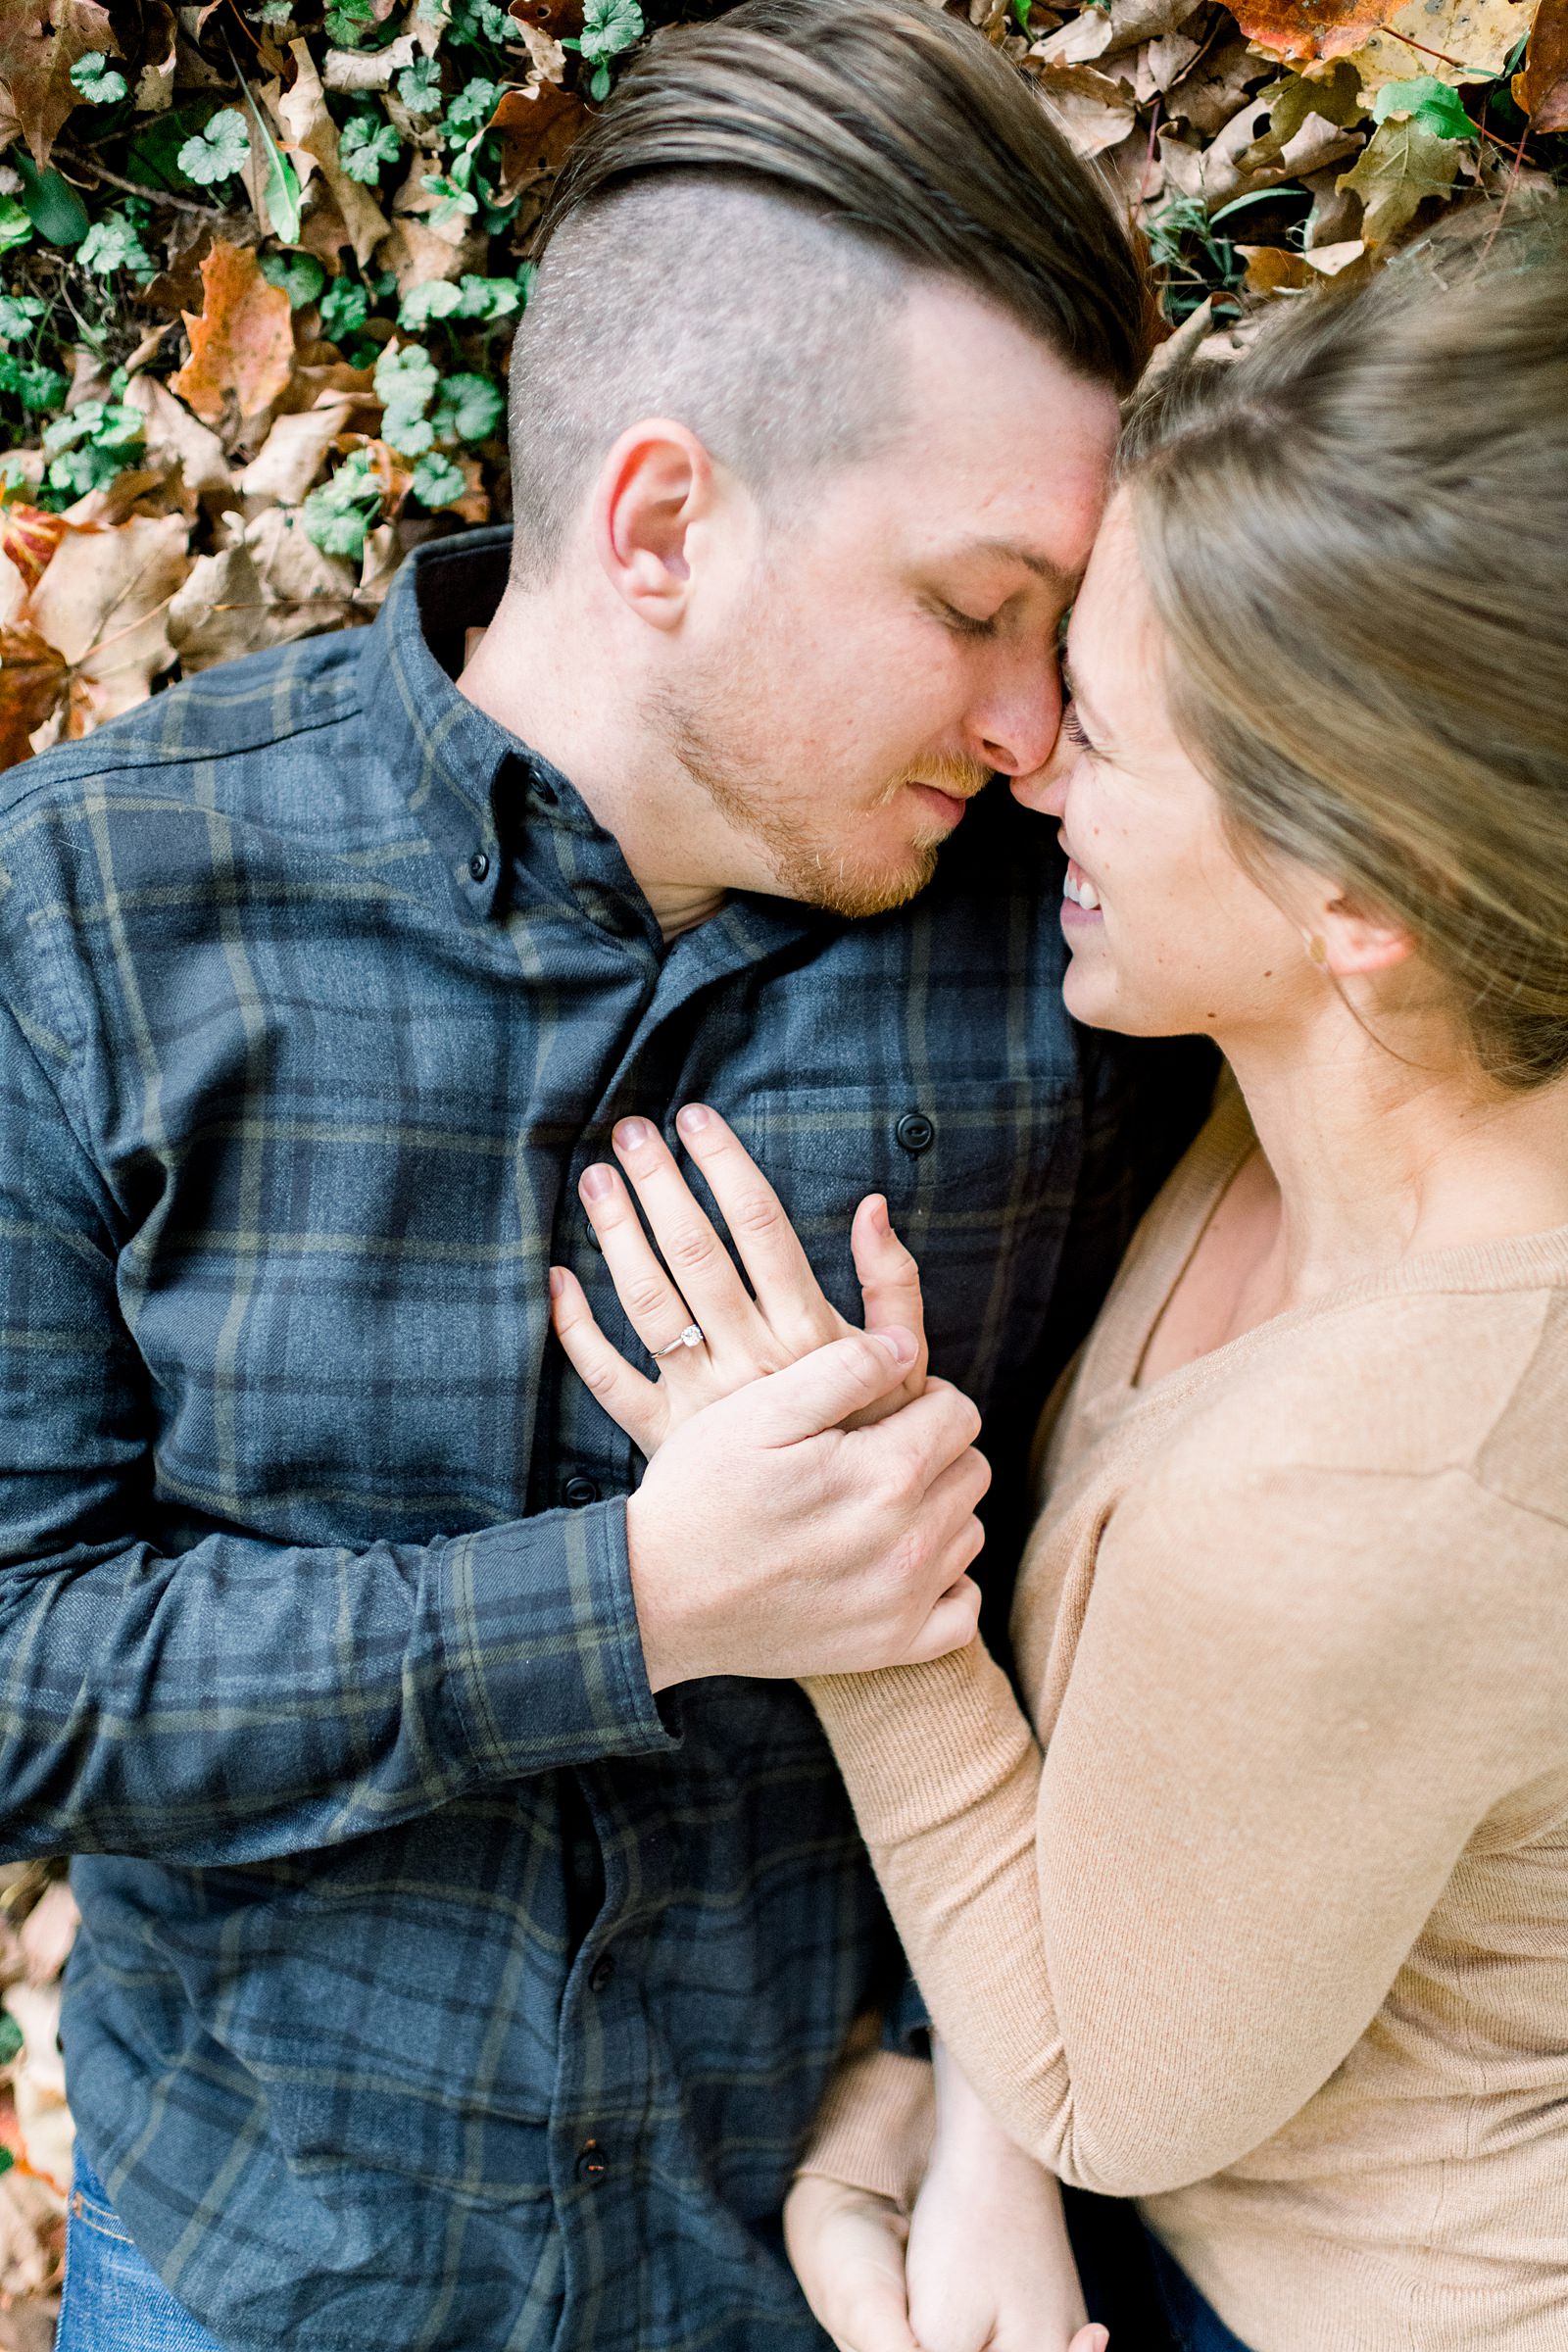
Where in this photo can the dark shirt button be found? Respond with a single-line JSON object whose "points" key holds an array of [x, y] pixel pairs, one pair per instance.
{"points": [[592, 1237], [915, 1131], [478, 865], [602, 1969], [578, 1490], [592, 2164]]}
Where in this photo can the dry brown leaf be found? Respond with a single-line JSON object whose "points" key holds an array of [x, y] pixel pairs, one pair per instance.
{"points": [[1453, 40], [242, 345], [1093, 111], [312, 135], [155, 86], [415, 253], [13, 592], [103, 604], [33, 676], [175, 438], [31, 2235], [1401, 164], [294, 453], [1162, 62], [1210, 93], [30, 538], [40, 40], [238, 602], [294, 571], [1303, 30], [1540, 90], [369, 69], [1107, 32], [537, 126]]}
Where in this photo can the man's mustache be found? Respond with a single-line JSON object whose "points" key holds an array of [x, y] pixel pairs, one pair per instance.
{"points": [[963, 778]]}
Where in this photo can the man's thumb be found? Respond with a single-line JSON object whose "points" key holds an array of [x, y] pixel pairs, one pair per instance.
{"points": [[827, 1386]]}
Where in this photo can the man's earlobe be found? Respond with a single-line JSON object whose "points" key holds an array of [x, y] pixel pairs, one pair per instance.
{"points": [[655, 484]]}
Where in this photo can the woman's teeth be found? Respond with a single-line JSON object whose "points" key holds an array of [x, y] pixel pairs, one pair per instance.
{"points": [[1081, 891]]}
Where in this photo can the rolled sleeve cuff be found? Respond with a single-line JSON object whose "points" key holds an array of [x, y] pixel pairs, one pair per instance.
{"points": [[875, 2127], [542, 1643]]}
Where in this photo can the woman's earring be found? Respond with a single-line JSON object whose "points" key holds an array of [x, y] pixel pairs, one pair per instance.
{"points": [[1316, 946]]}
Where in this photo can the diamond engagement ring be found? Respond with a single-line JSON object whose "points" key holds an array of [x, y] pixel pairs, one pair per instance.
{"points": [[690, 1337]]}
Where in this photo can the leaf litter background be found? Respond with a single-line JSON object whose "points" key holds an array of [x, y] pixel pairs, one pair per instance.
{"points": [[260, 267]]}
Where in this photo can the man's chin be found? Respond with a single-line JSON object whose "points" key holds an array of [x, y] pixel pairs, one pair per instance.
{"points": [[858, 892]]}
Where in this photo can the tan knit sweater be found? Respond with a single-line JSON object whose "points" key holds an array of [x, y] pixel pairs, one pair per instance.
{"points": [[1276, 1936]]}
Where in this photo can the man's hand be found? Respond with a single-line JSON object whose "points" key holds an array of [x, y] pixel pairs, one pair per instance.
{"points": [[847, 2247], [767, 1540], [989, 2265]]}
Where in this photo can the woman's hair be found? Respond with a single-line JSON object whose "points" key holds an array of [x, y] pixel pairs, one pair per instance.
{"points": [[1355, 536]]}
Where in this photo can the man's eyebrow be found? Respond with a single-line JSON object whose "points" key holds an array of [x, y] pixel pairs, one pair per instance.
{"points": [[1044, 568]]}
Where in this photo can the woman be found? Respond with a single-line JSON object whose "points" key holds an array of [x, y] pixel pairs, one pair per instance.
{"points": [[1273, 1937]]}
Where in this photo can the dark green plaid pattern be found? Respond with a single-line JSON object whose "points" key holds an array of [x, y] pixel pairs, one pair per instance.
{"points": [[437, 1987]]}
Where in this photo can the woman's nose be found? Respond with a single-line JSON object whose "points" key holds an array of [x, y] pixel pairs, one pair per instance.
{"points": [[1044, 788]]}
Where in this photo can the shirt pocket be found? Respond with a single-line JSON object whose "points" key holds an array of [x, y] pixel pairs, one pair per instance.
{"points": [[978, 1177]]}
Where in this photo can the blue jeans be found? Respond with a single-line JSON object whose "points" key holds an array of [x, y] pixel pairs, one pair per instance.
{"points": [[114, 2300]]}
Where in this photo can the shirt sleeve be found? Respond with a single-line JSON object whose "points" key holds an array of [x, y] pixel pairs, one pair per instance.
{"points": [[877, 2121], [245, 1699], [1151, 1949]]}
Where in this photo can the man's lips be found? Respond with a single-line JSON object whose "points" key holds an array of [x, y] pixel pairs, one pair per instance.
{"points": [[949, 805]]}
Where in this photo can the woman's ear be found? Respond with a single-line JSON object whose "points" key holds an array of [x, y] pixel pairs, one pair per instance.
{"points": [[654, 487], [1355, 939]]}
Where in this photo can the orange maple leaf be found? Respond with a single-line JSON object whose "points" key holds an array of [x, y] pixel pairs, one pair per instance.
{"points": [[242, 346], [1304, 29], [33, 676], [30, 538]]}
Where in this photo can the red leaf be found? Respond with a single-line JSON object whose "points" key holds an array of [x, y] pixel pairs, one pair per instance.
{"points": [[1540, 90], [33, 679]]}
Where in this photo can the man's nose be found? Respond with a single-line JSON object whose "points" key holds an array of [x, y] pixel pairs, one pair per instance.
{"points": [[1017, 722]]}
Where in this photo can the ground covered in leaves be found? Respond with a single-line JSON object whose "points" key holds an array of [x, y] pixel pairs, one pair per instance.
{"points": [[260, 267]]}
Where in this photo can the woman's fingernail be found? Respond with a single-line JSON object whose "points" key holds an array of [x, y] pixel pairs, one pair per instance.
{"points": [[632, 1134], [594, 1183], [901, 1343], [558, 1281], [693, 1119]]}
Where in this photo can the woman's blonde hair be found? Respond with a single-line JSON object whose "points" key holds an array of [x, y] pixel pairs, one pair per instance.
{"points": [[1357, 538]]}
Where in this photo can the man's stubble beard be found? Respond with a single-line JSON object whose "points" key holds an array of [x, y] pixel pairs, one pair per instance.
{"points": [[804, 867]]}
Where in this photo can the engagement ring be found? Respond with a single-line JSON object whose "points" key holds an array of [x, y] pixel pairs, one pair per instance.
{"points": [[690, 1337]]}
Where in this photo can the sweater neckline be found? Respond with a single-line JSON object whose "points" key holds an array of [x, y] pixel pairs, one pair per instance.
{"points": [[1182, 1216]]}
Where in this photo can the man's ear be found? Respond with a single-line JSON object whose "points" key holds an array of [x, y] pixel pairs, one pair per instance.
{"points": [[656, 484]]}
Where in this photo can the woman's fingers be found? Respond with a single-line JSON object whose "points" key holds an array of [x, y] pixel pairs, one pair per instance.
{"points": [[625, 1395], [654, 1309], [690, 1248], [779, 1269], [888, 1274]]}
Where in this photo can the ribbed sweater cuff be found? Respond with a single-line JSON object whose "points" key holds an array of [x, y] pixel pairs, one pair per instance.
{"points": [[876, 2126], [918, 1744]]}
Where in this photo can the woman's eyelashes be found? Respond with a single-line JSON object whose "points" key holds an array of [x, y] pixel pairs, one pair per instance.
{"points": [[1072, 727]]}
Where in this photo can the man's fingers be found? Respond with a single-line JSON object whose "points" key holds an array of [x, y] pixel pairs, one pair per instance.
{"points": [[776, 1266], [888, 1273], [929, 1433], [1094, 2339], [825, 1387], [951, 1625], [626, 1395]]}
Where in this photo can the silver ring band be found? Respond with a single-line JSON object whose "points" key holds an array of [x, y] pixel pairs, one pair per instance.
{"points": [[690, 1337]]}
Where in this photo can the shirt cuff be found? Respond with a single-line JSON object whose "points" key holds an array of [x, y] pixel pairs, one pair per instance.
{"points": [[875, 2127], [543, 1650]]}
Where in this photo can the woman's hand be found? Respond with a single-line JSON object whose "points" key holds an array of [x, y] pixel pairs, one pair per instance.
{"points": [[847, 2247], [989, 2268], [745, 1334]]}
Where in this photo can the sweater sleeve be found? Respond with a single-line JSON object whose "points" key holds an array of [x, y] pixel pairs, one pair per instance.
{"points": [[877, 2121], [1149, 1949]]}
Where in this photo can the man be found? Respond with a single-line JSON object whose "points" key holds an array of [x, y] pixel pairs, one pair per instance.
{"points": [[466, 1947]]}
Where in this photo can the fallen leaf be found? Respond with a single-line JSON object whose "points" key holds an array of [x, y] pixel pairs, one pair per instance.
{"points": [[1208, 94], [1091, 111], [40, 40], [1452, 41], [1272, 269], [33, 675], [1107, 32], [30, 538], [48, 1933], [242, 345], [414, 254], [155, 86], [369, 69], [294, 571], [294, 453], [103, 605], [31, 2235], [175, 438], [1540, 88], [1162, 62], [1401, 164], [13, 592], [537, 126], [312, 134]]}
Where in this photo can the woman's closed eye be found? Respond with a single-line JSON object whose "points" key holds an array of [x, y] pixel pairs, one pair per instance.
{"points": [[1072, 727]]}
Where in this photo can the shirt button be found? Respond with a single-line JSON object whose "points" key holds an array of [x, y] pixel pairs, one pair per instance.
{"points": [[915, 1131], [478, 865], [600, 1973], [592, 2163], [580, 1491], [592, 1237]]}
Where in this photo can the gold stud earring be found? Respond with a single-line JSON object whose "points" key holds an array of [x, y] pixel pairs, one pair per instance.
{"points": [[1317, 947]]}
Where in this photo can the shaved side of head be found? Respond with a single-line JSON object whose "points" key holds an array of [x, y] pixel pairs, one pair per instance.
{"points": [[733, 307]]}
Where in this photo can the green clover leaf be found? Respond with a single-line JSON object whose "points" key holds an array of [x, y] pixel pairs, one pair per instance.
{"points": [[338, 517], [368, 145], [471, 108], [95, 78], [218, 152], [470, 407], [439, 482], [111, 244], [434, 299], [345, 306], [300, 275], [18, 312], [419, 87]]}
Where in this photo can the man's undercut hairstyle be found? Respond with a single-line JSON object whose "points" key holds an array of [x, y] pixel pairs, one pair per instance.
{"points": [[733, 241]]}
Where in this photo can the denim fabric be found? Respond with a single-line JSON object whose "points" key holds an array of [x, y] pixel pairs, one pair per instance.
{"points": [[114, 2300], [436, 1987], [1133, 2286], [1196, 2327]]}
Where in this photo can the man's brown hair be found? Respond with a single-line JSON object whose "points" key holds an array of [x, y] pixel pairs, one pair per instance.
{"points": [[733, 238]]}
